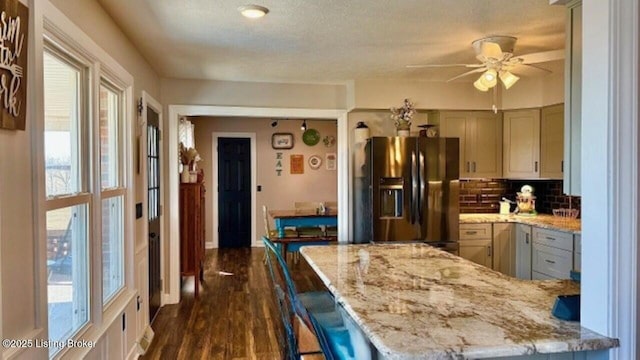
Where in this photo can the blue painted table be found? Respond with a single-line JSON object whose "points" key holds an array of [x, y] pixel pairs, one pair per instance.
{"points": [[302, 218]]}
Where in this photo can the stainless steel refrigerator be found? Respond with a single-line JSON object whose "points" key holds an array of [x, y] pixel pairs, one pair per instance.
{"points": [[408, 191]]}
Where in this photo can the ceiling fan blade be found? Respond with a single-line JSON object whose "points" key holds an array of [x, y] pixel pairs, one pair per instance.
{"points": [[468, 73], [443, 65], [491, 50], [536, 67], [540, 57]]}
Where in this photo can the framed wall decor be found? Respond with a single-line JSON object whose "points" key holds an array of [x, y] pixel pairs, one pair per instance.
{"points": [[282, 141], [331, 160], [297, 164]]}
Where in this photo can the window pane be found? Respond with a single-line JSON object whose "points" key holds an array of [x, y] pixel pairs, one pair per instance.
{"points": [[112, 247], [68, 271], [61, 121], [109, 125]]}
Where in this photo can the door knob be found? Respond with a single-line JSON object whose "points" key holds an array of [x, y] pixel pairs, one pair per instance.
{"points": [[152, 235]]}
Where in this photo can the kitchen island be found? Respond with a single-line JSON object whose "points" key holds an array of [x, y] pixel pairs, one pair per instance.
{"points": [[413, 301]]}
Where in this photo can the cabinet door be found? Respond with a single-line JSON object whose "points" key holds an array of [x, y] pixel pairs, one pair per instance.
{"points": [[522, 144], [552, 142], [478, 251], [454, 124], [523, 251], [486, 159], [504, 250]]}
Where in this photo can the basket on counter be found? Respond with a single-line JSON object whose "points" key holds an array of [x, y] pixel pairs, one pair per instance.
{"points": [[566, 213]]}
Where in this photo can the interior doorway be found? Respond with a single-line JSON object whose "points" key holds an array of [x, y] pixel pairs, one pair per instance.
{"points": [[178, 111], [234, 192]]}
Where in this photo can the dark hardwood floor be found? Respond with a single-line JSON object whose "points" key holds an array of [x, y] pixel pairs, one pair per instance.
{"points": [[235, 316]]}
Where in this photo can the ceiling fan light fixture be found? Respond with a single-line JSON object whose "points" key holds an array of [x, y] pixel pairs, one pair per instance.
{"points": [[478, 84], [253, 11], [489, 79], [508, 79]]}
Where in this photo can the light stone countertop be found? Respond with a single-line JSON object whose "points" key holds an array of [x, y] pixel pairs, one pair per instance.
{"points": [[416, 302], [540, 220]]}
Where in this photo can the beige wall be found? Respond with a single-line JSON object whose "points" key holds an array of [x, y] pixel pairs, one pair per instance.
{"points": [[528, 92], [535, 92], [278, 192], [95, 22], [250, 94]]}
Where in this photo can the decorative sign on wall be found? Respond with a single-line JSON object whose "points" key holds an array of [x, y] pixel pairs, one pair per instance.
{"points": [[279, 163], [315, 162], [330, 161], [14, 27], [297, 164]]}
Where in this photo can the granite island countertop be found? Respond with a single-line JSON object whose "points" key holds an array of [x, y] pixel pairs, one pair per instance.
{"points": [[541, 220], [413, 301]]}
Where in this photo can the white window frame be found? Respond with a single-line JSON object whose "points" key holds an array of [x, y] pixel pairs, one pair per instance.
{"points": [[120, 189], [53, 26], [83, 194]]}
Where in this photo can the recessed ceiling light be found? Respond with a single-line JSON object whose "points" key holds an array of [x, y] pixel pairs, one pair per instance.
{"points": [[253, 11]]}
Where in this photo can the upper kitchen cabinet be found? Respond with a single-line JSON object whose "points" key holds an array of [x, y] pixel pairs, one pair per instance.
{"points": [[552, 142], [522, 144], [480, 134], [573, 99]]}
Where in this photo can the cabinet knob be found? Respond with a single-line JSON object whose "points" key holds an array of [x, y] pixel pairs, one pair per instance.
{"points": [[152, 235]]}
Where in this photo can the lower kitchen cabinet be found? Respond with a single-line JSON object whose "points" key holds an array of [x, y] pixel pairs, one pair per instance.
{"points": [[523, 251], [476, 243], [504, 249], [478, 251], [550, 261]]}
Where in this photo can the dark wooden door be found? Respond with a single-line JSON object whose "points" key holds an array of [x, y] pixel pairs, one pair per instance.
{"points": [[234, 192], [153, 210]]}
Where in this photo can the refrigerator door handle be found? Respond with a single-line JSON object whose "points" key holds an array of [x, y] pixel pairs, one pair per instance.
{"points": [[414, 187], [421, 197]]}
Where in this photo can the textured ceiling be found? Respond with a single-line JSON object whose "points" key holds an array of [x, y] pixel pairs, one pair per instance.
{"points": [[329, 41]]}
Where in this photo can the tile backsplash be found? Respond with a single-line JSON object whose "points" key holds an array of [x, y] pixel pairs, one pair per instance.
{"points": [[483, 195]]}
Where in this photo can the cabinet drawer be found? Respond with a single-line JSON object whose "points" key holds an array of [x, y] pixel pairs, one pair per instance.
{"points": [[556, 239], [475, 231], [550, 261], [540, 276]]}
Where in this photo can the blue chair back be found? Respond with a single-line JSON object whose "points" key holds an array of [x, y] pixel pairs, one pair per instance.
{"points": [[289, 304]]}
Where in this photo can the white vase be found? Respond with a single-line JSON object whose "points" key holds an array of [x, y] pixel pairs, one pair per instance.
{"points": [[403, 133], [185, 176]]}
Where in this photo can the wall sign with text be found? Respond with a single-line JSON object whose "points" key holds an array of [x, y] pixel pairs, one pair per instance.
{"points": [[14, 27]]}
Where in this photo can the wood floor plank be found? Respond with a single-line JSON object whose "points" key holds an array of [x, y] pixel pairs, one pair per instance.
{"points": [[235, 316]]}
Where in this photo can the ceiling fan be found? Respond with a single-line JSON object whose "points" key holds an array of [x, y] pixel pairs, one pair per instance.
{"points": [[497, 61]]}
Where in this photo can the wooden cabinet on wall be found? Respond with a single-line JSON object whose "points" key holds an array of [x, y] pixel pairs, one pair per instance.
{"points": [[552, 142], [521, 144], [480, 134], [192, 218]]}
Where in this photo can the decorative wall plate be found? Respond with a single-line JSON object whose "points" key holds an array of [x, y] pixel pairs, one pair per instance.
{"points": [[311, 137], [315, 162], [329, 140]]}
